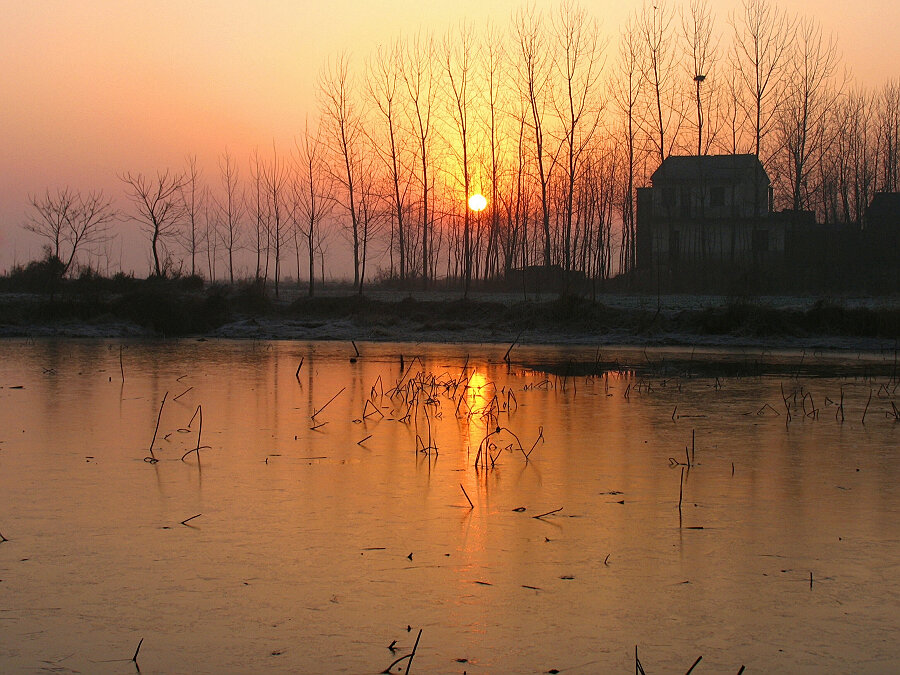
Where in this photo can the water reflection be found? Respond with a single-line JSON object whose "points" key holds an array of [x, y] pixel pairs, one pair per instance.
{"points": [[334, 510]]}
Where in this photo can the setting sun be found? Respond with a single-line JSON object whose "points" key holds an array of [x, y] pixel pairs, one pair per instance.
{"points": [[477, 202]]}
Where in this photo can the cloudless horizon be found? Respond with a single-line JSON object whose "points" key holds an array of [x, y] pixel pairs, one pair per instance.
{"points": [[95, 88]]}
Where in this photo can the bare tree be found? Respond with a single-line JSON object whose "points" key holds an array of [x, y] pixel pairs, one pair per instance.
{"points": [[626, 94], [850, 168], [260, 203], [534, 66], [158, 210], [70, 221], [418, 76], [383, 83], [230, 209], [761, 48], [579, 107], [807, 102], [659, 73], [312, 194], [697, 32], [212, 228], [889, 134], [457, 59], [192, 194], [275, 177], [343, 126], [494, 60]]}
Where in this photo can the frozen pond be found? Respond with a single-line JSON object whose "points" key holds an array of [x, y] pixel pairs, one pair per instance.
{"points": [[314, 550]]}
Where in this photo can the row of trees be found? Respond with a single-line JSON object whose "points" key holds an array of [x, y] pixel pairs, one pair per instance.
{"points": [[553, 122]]}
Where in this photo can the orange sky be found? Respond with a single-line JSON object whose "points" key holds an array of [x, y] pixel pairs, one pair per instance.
{"points": [[91, 88]]}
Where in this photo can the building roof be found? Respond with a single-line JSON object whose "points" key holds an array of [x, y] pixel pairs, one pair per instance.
{"points": [[715, 168]]}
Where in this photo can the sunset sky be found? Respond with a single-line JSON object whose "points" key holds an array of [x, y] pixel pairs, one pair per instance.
{"points": [[92, 88]]}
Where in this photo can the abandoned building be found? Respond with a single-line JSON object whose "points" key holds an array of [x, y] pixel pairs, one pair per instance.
{"points": [[708, 223], [708, 209]]}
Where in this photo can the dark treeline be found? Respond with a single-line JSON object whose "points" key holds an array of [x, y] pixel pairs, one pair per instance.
{"points": [[555, 120]]}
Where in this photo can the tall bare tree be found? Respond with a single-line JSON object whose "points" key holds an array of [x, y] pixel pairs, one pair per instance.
{"points": [[70, 221], [275, 178], [889, 134], [761, 48], [418, 75], [192, 195], [313, 197], [494, 59], [534, 64], [230, 208], [383, 84], [158, 209], [458, 55], [808, 100], [697, 35], [260, 203], [659, 74], [343, 127], [626, 95], [579, 106]]}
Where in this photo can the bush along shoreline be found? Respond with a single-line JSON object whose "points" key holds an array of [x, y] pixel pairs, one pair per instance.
{"points": [[35, 296]]}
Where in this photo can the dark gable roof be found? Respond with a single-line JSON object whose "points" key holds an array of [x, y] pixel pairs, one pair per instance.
{"points": [[716, 168]]}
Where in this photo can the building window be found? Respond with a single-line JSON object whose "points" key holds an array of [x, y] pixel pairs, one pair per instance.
{"points": [[717, 196], [760, 241]]}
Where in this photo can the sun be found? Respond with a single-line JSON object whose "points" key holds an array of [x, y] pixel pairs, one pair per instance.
{"points": [[477, 202]]}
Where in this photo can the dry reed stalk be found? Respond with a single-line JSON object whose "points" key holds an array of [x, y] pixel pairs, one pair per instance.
{"points": [[638, 668], [405, 657], [766, 405], [380, 384], [506, 356], [198, 411], [186, 520], [540, 437], [699, 658], [121, 364], [787, 406], [313, 416], [375, 409], [510, 399], [299, 366], [364, 440], [134, 658], [549, 513], [867, 407], [156, 430], [182, 394], [471, 505]]}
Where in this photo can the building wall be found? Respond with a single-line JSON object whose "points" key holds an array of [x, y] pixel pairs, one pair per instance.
{"points": [[679, 242], [698, 215]]}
